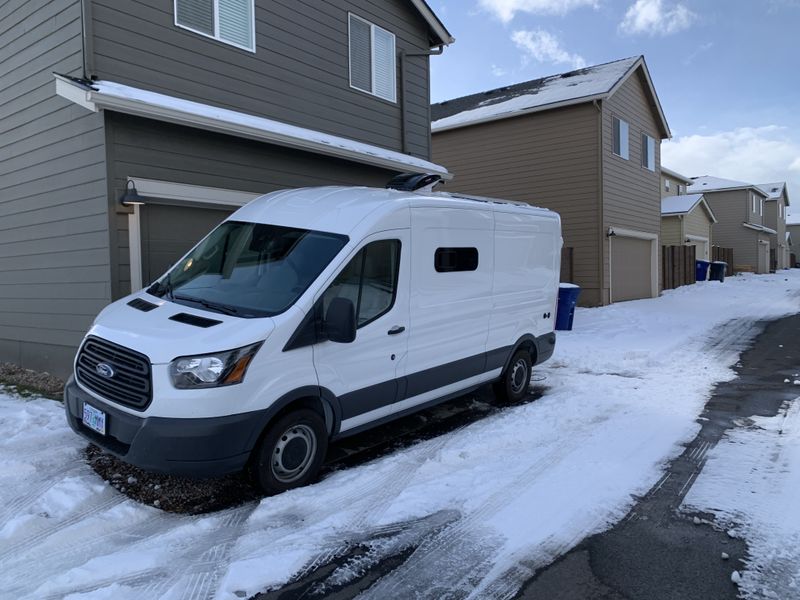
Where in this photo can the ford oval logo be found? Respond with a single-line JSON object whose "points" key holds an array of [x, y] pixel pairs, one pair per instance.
{"points": [[104, 370]]}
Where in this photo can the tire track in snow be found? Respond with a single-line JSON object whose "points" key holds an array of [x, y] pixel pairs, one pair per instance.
{"points": [[453, 561]]}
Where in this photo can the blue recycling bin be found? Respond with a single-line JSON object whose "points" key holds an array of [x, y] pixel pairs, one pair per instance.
{"points": [[701, 269], [718, 271], [567, 299]]}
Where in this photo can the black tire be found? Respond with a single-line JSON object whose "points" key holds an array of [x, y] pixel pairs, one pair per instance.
{"points": [[513, 384], [290, 452]]}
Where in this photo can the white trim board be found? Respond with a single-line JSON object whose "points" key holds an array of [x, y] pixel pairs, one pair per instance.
{"points": [[101, 95]]}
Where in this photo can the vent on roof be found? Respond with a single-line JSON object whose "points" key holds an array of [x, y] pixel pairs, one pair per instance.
{"points": [[141, 304], [194, 320], [775, 190]]}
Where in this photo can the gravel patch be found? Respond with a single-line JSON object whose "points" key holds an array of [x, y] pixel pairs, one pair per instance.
{"points": [[26, 382], [182, 495]]}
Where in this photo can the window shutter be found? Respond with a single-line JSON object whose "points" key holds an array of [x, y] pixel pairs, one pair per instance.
{"points": [[385, 71], [236, 22], [197, 14], [360, 55]]}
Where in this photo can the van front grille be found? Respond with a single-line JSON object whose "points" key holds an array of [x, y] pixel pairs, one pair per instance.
{"points": [[114, 372]]}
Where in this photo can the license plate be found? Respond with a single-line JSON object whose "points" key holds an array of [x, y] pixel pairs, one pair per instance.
{"points": [[94, 419]]}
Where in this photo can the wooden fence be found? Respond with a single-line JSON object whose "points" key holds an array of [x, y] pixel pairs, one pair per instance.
{"points": [[677, 266], [725, 255], [567, 265]]}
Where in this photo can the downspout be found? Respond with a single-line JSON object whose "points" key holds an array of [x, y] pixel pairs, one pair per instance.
{"points": [[87, 39], [404, 104], [601, 248]]}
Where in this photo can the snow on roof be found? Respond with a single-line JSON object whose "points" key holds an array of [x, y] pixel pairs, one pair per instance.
{"points": [[708, 183], [99, 95], [581, 84], [679, 205], [773, 190]]}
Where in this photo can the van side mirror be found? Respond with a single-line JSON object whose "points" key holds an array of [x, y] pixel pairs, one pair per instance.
{"points": [[340, 321]]}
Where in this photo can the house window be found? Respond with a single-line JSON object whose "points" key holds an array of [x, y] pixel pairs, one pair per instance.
{"points": [[229, 21], [648, 152], [372, 59], [754, 203], [620, 137], [666, 185], [681, 189], [761, 207], [448, 260]]}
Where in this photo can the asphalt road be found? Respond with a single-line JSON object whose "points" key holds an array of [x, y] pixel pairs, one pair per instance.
{"points": [[657, 553]]}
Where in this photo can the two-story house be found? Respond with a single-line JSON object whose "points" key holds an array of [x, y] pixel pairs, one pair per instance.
{"points": [[586, 144], [775, 218], [129, 129], [739, 209], [686, 219]]}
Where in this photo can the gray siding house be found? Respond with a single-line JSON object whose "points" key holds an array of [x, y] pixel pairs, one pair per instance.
{"points": [[200, 110], [686, 219], [739, 209], [586, 144]]}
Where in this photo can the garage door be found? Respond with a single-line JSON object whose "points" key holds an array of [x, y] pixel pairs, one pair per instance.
{"points": [[169, 232], [630, 268]]}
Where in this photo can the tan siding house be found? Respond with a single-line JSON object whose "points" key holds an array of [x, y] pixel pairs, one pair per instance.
{"points": [[687, 220], [739, 209], [586, 144], [775, 218], [672, 183]]}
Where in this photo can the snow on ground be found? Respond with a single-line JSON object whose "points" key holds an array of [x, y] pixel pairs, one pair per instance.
{"points": [[750, 483], [481, 507]]}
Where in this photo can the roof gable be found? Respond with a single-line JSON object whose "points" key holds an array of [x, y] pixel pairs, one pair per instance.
{"points": [[709, 183], [775, 191], [443, 36], [682, 205], [597, 82]]}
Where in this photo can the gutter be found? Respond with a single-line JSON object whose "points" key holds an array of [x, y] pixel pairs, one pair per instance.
{"points": [[760, 228]]}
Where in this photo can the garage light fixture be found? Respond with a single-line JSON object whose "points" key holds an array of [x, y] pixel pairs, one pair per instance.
{"points": [[131, 197], [611, 232]]}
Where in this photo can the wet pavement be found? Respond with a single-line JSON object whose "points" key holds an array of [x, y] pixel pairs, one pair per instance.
{"points": [[657, 552]]}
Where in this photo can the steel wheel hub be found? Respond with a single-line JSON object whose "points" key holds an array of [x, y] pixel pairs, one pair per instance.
{"points": [[294, 453]]}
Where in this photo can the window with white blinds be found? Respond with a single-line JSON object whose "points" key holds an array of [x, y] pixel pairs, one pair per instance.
{"points": [[372, 59], [229, 21]]}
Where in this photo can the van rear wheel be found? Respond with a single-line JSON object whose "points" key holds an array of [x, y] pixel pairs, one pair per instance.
{"points": [[290, 452], [513, 384]]}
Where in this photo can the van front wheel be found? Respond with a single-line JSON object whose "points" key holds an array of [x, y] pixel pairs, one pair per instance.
{"points": [[513, 385], [291, 452]]}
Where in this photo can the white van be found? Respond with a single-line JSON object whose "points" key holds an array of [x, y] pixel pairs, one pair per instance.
{"points": [[312, 314]]}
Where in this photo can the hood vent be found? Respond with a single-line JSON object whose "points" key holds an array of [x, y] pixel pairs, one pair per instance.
{"points": [[143, 305], [194, 320]]}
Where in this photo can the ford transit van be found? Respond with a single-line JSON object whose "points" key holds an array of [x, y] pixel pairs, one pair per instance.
{"points": [[313, 314]]}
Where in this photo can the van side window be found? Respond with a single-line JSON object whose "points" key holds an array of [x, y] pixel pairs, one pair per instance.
{"points": [[447, 260], [369, 280]]}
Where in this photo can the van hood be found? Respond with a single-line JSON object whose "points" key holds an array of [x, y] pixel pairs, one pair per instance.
{"points": [[155, 333]]}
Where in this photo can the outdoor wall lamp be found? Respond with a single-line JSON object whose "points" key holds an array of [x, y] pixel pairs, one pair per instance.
{"points": [[131, 196], [611, 232]]}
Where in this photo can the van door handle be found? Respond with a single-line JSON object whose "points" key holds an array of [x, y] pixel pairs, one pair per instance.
{"points": [[396, 329]]}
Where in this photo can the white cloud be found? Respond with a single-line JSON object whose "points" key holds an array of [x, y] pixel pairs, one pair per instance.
{"points": [[654, 18], [506, 9], [545, 48], [498, 71], [751, 154]]}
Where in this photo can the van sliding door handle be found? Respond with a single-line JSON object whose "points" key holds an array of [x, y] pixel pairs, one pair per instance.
{"points": [[396, 329]]}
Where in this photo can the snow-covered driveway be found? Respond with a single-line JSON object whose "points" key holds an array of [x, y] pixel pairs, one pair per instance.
{"points": [[477, 510]]}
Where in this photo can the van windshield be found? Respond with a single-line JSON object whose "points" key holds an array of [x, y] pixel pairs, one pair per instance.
{"points": [[249, 269]]}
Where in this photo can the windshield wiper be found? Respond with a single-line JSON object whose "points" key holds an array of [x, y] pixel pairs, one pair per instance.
{"points": [[162, 289], [222, 308]]}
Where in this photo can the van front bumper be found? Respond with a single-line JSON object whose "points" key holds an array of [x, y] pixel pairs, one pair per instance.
{"points": [[206, 447]]}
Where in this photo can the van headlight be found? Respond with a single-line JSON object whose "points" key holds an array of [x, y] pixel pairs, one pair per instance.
{"points": [[212, 370]]}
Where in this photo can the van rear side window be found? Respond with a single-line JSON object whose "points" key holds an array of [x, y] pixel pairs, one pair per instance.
{"points": [[448, 260]]}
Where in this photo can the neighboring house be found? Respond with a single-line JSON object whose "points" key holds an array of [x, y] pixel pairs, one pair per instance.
{"points": [[775, 218], [793, 240], [199, 104], [687, 220], [672, 183], [586, 144], [739, 209]]}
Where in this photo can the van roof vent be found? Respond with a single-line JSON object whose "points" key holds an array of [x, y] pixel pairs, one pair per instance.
{"points": [[414, 182], [142, 304], [194, 320]]}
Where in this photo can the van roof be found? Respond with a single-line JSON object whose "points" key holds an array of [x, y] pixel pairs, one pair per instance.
{"points": [[339, 209]]}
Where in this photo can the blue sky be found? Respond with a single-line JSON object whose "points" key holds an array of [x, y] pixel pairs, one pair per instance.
{"points": [[727, 72]]}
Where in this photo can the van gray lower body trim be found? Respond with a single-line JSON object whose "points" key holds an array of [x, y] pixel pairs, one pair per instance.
{"points": [[206, 447]]}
